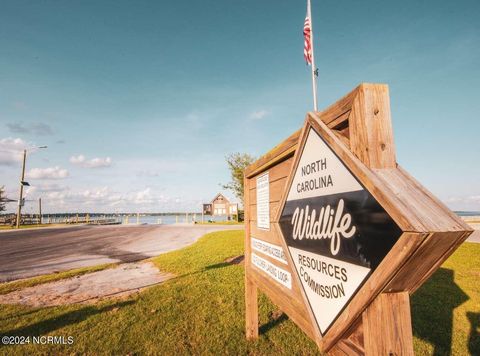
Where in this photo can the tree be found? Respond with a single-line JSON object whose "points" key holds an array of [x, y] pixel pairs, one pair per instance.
{"points": [[2, 198], [237, 162]]}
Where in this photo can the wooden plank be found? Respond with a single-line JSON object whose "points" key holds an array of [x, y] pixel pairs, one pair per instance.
{"points": [[433, 251], [370, 126], [352, 343], [251, 308], [247, 217], [266, 235], [388, 326], [339, 122], [440, 261], [433, 214], [441, 210], [347, 347], [251, 298], [279, 171], [342, 138], [338, 109]]}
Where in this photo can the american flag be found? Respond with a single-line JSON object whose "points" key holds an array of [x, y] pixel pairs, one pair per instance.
{"points": [[307, 49]]}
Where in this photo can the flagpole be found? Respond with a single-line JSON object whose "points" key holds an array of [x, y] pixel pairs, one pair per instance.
{"points": [[314, 79]]}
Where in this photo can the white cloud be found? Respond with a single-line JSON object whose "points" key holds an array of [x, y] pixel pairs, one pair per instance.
{"points": [[46, 188], [465, 203], [77, 159], [11, 150], [259, 114], [143, 197], [96, 194], [97, 162], [48, 173]]}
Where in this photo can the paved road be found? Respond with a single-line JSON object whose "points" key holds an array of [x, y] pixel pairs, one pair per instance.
{"points": [[27, 253]]}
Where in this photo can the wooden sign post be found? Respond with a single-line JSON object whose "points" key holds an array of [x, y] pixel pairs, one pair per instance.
{"points": [[338, 235]]}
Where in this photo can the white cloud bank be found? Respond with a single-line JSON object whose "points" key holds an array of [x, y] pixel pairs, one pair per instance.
{"points": [[11, 150], [465, 203], [48, 173], [97, 162]]}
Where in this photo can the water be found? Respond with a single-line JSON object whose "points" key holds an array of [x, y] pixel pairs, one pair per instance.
{"points": [[132, 219], [170, 219], [467, 213]]}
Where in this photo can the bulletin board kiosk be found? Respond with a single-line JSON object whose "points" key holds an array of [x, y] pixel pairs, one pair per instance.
{"points": [[338, 235]]}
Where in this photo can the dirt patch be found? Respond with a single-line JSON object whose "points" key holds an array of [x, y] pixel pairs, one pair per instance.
{"points": [[275, 315], [121, 281], [237, 260]]}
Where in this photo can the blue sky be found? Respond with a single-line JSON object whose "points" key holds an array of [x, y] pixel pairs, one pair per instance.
{"points": [[139, 102]]}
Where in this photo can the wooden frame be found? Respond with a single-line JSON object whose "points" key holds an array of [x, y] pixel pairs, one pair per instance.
{"points": [[358, 129]]}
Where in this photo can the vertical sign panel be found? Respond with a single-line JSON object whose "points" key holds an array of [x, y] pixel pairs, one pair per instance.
{"points": [[335, 230], [263, 200]]}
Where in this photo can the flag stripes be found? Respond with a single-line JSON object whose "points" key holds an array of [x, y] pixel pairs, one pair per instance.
{"points": [[307, 48]]}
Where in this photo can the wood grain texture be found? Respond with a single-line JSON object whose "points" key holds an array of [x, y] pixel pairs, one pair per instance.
{"points": [[370, 125], [251, 308], [429, 211], [387, 325], [279, 171], [352, 344], [251, 297], [425, 260]]}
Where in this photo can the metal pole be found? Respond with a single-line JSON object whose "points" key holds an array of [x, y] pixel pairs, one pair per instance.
{"points": [[19, 211], [40, 210], [314, 79]]}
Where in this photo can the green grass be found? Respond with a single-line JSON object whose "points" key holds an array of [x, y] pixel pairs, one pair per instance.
{"points": [[30, 282], [201, 311], [446, 309]]}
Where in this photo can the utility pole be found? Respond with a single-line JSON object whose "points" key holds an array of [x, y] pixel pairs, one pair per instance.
{"points": [[40, 211], [22, 183], [19, 211]]}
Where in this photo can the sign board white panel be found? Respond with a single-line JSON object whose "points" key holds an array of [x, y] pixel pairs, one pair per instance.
{"points": [[278, 274], [271, 250], [263, 202]]}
